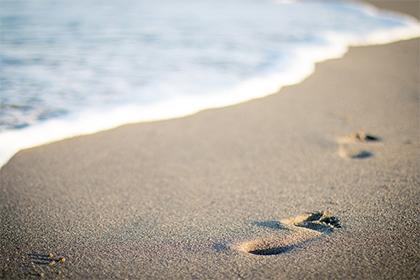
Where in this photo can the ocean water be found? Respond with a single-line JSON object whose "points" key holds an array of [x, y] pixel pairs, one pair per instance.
{"points": [[76, 67]]}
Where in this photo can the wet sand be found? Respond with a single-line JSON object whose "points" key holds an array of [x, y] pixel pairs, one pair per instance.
{"points": [[223, 194]]}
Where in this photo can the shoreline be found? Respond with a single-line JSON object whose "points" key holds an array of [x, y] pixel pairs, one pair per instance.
{"points": [[87, 123], [176, 198]]}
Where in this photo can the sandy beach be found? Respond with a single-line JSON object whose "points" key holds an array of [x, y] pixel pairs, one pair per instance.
{"points": [[320, 180]]}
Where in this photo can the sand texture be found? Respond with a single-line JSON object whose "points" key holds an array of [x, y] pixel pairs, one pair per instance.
{"points": [[321, 180]]}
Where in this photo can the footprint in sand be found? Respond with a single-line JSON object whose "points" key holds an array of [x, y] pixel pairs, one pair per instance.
{"points": [[45, 264], [357, 145], [299, 230]]}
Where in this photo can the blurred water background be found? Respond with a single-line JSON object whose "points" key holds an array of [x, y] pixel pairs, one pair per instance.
{"points": [[74, 67]]}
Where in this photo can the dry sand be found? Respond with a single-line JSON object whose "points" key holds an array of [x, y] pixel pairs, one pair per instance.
{"points": [[186, 198]]}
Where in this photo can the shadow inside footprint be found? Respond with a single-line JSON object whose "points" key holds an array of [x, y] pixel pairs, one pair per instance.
{"points": [[40, 259], [271, 251], [354, 152], [371, 138], [320, 221], [220, 247], [361, 155], [45, 259], [301, 229], [361, 137]]}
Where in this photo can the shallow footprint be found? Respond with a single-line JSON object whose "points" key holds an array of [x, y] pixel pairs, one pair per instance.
{"points": [[359, 137], [357, 145], [300, 229], [41, 264], [353, 152]]}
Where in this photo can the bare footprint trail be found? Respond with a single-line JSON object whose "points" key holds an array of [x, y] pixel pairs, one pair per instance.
{"points": [[45, 265], [299, 230]]}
